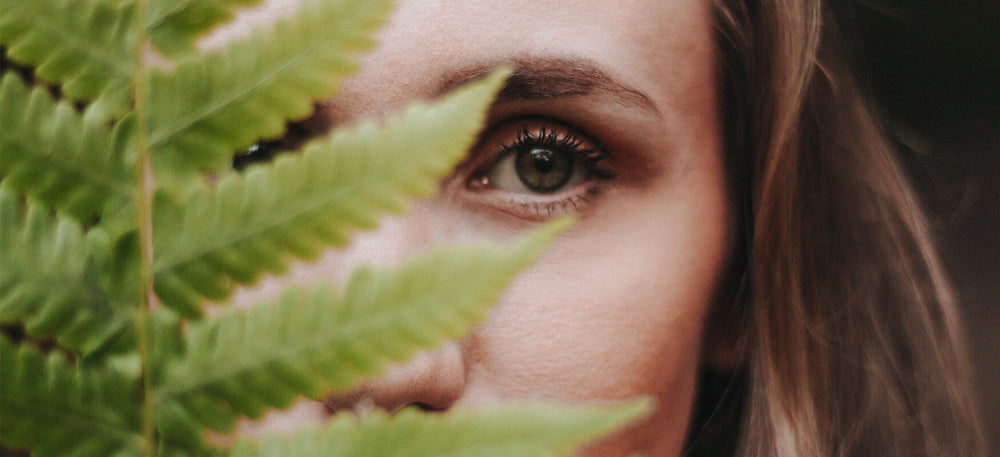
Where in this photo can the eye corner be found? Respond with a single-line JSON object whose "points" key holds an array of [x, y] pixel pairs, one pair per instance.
{"points": [[478, 182]]}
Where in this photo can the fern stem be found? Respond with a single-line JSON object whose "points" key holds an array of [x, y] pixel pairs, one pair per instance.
{"points": [[144, 210]]}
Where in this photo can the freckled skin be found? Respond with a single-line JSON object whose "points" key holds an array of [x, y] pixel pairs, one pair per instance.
{"points": [[615, 308]]}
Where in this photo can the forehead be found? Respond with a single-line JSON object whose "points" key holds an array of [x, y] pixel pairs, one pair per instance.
{"points": [[643, 40], [634, 34]]}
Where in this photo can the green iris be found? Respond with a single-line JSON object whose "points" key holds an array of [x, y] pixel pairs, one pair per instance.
{"points": [[543, 170]]}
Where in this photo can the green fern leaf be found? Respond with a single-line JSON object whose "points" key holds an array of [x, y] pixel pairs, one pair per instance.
{"points": [[308, 346], [65, 160], [253, 223], [519, 429], [47, 284], [87, 47], [173, 24], [218, 103], [58, 409]]}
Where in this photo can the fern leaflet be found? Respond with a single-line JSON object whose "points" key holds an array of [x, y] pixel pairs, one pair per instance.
{"points": [[79, 242], [59, 409], [174, 23], [84, 46], [308, 346], [251, 224], [47, 252], [518, 429], [213, 105], [69, 162]]}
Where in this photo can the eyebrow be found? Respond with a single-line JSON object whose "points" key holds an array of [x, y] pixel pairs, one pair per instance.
{"points": [[542, 78]]}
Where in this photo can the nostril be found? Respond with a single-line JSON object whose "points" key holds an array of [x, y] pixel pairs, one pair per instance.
{"points": [[430, 381], [427, 408]]}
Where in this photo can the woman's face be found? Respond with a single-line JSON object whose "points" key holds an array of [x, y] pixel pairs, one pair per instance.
{"points": [[613, 118]]}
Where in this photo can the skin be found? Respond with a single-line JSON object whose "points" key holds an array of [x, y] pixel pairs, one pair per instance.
{"points": [[616, 307]]}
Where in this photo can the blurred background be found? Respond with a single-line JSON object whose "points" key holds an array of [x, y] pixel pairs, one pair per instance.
{"points": [[932, 67]]}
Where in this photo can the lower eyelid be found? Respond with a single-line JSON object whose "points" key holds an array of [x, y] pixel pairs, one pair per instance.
{"points": [[535, 208]]}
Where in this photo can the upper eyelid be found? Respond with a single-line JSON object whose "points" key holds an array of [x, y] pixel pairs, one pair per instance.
{"points": [[493, 128]]}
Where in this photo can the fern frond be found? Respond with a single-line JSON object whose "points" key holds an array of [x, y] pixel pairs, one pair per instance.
{"points": [[253, 223], [308, 346], [58, 409], [519, 429], [47, 284], [67, 161], [173, 24], [221, 102], [86, 47]]}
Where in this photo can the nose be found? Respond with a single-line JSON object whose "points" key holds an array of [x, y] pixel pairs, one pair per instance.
{"points": [[432, 380]]}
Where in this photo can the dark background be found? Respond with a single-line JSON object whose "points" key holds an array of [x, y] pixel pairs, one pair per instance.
{"points": [[933, 70]]}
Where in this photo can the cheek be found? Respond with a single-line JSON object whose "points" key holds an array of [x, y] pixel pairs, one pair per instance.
{"points": [[616, 307]]}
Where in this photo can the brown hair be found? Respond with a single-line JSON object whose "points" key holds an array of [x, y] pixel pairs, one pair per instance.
{"points": [[849, 337]]}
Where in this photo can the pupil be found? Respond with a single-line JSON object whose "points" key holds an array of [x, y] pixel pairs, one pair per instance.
{"points": [[544, 170], [544, 162]]}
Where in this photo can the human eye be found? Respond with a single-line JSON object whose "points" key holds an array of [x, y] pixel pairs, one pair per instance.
{"points": [[537, 168]]}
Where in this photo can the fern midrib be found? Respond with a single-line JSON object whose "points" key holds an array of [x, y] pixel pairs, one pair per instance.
{"points": [[123, 69], [81, 422], [67, 165], [272, 223], [301, 349], [238, 96], [168, 13]]}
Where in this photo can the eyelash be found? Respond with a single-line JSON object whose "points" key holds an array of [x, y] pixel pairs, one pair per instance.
{"points": [[569, 141], [496, 146]]}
